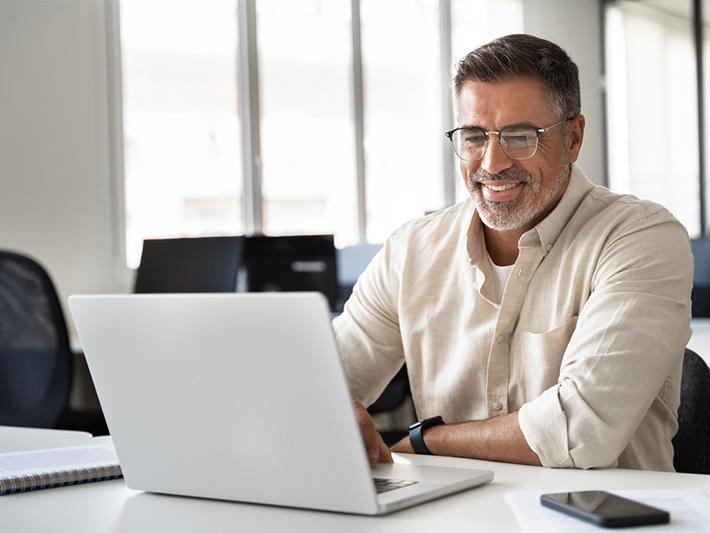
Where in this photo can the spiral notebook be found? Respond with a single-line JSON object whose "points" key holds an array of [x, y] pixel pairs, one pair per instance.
{"points": [[57, 467]]}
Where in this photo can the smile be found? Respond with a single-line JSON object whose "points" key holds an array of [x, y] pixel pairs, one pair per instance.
{"points": [[501, 191], [501, 187]]}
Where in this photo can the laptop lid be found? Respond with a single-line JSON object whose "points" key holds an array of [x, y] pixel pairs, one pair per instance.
{"points": [[230, 396]]}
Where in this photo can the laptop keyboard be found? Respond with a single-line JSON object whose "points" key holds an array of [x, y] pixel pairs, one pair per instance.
{"points": [[385, 485]]}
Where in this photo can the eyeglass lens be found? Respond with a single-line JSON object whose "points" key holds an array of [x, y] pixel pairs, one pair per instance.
{"points": [[517, 142]]}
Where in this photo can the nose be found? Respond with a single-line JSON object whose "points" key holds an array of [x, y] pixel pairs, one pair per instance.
{"points": [[495, 159]]}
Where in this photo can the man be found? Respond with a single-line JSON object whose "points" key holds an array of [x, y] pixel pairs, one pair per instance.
{"points": [[544, 319]]}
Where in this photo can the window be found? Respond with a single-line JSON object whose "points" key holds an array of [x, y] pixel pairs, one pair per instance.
{"points": [[402, 88], [181, 128], [652, 105], [307, 137]]}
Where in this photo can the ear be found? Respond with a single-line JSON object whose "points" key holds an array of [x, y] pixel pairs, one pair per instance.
{"points": [[574, 137]]}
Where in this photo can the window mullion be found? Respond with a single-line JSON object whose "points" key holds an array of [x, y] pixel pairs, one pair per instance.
{"points": [[447, 159], [359, 120], [248, 79]]}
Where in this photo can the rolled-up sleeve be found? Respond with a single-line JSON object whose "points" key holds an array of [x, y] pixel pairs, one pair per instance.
{"points": [[367, 332], [630, 335]]}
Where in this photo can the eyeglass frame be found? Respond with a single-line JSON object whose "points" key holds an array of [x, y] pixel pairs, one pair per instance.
{"points": [[539, 131]]}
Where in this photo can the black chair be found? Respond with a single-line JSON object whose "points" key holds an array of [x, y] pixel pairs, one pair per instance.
{"points": [[393, 397], [692, 442], [35, 359], [700, 296]]}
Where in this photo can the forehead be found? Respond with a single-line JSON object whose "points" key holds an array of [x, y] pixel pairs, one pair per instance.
{"points": [[498, 103]]}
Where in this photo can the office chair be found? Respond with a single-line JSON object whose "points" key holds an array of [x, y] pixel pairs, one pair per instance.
{"points": [[396, 393], [692, 442], [351, 262], [35, 359], [700, 296]]}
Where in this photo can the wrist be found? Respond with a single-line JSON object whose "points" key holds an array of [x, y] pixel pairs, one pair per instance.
{"points": [[416, 434]]}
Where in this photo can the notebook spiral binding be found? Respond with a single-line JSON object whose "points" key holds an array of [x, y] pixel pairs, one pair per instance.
{"points": [[60, 478]]}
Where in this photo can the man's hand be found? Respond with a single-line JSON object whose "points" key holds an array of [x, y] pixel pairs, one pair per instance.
{"points": [[403, 446], [377, 450]]}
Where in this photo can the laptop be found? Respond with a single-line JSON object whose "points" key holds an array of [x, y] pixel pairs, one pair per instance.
{"points": [[240, 397]]}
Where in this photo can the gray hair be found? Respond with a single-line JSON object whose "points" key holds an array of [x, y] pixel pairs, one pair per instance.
{"points": [[521, 55]]}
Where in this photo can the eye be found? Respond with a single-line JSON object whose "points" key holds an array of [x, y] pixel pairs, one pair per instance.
{"points": [[519, 135], [473, 136]]}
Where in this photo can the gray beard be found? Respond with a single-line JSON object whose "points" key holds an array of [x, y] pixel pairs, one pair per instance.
{"points": [[520, 212]]}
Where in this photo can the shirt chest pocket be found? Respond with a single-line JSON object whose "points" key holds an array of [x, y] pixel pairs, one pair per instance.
{"points": [[536, 357]]}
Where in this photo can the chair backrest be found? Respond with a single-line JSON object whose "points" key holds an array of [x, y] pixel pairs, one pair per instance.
{"points": [[201, 264], [352, 261], [701, 278], [692, 442], [35, 358]]}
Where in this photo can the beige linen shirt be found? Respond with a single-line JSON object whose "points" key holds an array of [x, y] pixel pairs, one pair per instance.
{"points": [[586, 343]]}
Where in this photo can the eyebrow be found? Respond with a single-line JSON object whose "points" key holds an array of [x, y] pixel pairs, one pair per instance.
{"points": [[515, 125]]}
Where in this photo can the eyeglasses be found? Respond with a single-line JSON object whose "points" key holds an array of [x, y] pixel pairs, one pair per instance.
{"points": [[518, 142]]}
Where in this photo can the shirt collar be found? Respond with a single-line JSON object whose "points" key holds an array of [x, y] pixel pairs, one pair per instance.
{"points": [[552, 225], [546, 232]]}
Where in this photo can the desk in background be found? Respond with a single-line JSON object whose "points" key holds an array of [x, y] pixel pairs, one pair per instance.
{"points": [[109, 506]]}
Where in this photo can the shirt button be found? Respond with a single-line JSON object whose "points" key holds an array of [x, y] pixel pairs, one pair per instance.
{"points": [[500, 339], [548, 247], [497, 406]]}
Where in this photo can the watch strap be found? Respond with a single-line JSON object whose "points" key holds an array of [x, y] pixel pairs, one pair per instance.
{"points": [[416, 434]]}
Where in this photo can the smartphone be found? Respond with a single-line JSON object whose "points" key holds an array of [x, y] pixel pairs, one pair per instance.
{"points": [[605, 509]]}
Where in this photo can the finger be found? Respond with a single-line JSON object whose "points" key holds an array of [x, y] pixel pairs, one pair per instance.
{"points": [[372, 444], [384, 454], [371, 438]]}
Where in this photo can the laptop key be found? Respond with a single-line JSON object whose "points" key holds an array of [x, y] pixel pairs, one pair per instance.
{"points": [[385, 485]]}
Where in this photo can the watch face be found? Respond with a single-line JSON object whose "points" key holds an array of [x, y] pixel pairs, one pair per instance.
{"points": [[427, 422]]}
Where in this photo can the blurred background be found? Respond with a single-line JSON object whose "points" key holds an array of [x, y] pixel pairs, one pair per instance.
{"points": [[134, 119]]}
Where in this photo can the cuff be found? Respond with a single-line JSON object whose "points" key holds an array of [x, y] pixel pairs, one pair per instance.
{"points": [[544, 426]]}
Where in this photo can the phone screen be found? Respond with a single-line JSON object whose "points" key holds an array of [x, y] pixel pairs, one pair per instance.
{"points": [[604, 508]]}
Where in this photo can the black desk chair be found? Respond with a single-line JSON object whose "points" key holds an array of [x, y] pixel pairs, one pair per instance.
{"points": [[700, 297], [35, 359], [692, 442], [393, 397]]}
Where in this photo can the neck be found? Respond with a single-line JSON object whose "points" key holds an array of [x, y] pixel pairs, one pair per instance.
{"points": [[502, 246]]}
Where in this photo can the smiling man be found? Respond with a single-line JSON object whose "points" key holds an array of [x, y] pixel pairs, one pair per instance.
{"points": [[544, 320]]}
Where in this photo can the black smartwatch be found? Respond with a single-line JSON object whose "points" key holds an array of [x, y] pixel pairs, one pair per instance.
{"points": [[416, 433]]}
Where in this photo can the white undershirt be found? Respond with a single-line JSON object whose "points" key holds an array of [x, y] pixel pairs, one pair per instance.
{"points": [[500, 278]]}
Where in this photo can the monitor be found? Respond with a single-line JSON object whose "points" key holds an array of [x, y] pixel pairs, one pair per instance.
{"points": [[202, 264], [292, 263]]}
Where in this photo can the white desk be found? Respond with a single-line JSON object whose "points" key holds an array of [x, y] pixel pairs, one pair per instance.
{"points": [[109, 506]]}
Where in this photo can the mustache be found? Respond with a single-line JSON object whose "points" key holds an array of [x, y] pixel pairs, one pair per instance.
{"points": [[514, 174]]}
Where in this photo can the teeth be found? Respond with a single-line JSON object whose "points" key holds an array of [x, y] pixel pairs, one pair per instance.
{"points": [[499, 188]]}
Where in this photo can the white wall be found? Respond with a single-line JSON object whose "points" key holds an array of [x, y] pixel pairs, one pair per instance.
{"points": [[59, 164], [55, 171], [575, 25]]}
